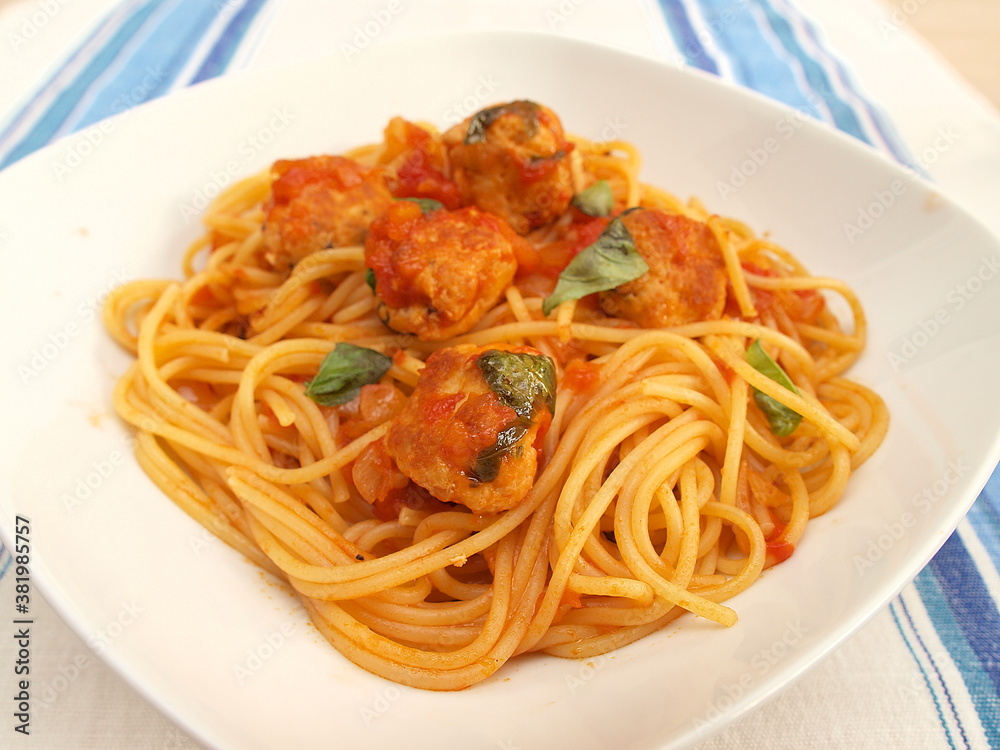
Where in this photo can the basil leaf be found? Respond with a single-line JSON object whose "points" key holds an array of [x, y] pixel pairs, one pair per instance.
{"points": [[780, 418], [761, 361], [524, 382], [370, 278], [482, 120], [343, 372], [611, 261], [426, 204], [487, 464], [520, 380], [597, 200]]}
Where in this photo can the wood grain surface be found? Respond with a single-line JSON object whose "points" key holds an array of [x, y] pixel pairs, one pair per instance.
{"points": [[966, 33]]}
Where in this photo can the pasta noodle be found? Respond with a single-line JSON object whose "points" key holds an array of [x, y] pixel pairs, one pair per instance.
{"points": [[661, 486]]}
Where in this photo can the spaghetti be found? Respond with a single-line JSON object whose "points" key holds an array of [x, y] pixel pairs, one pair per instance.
{"points": [[479, 393]]}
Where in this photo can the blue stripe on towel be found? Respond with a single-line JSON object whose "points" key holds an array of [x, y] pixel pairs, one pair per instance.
{"points": [[880, 125], [966, 620], [985, 521], [80, 56], [149, 47], [48, 125], [768, 70], [151, 62], [686, 40], [896, 609], [789, 63], [984, 516], [222, 53], [842, 115]]}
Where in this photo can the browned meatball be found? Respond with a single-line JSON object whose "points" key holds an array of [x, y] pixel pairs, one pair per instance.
{"points": [[320, 202], [437, 273], [460, 440], [512, 160], [686, 281]]}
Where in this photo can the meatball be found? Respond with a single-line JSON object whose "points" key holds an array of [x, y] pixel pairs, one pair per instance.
{"points": [[320, 202], [512, 160], [465, 436], [437, 273], [686, 281]]}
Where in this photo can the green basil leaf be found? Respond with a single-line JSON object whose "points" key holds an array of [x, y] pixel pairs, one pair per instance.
{"points": [[611, 261], [426, 204], [597, 200], [524, 382], [370, 278], [520, 380], [343, 371], [487, 464], [780, 418], [761, 361], [482, 120]]}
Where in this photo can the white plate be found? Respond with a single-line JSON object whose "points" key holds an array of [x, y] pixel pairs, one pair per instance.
{"points": [[226, 652]]}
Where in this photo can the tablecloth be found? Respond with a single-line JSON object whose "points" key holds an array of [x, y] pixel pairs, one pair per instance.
{"points": [[925, 672]]}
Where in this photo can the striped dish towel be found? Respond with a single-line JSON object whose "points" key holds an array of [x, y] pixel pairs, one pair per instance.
{"points": [[142, 50], [946, 624]]}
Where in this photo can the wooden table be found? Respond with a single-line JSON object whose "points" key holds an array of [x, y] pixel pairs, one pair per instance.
{"points": [[965, 32]]}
